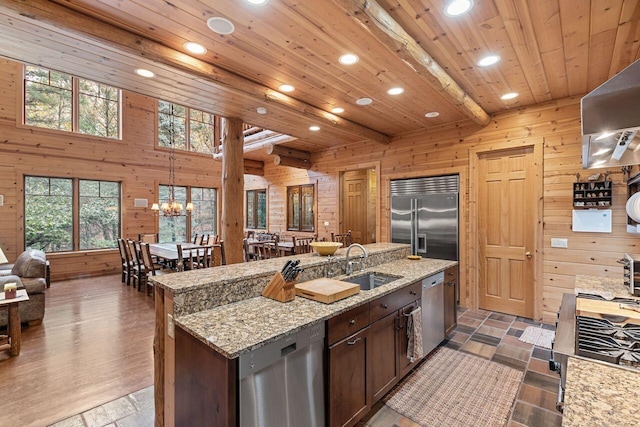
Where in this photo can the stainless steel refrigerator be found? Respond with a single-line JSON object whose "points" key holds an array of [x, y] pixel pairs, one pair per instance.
{"points": [[424, 214]]}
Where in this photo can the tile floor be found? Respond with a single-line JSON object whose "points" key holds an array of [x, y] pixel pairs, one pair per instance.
{"points": [[493, 336]]}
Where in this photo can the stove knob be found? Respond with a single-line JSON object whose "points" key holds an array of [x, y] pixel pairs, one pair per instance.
{"points": [[554, 366]]}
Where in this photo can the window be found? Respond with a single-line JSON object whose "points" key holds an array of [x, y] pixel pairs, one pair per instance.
{"points": [[60, 101], [300, 216], [195, 134], [257, 209], [202, 220], [51, 218]]}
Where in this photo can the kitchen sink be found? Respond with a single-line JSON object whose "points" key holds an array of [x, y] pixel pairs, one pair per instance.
{"points": [[371, 280]]}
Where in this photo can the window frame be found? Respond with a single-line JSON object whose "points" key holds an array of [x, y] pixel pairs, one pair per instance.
{"points": [[75, 106], [188, 215], [187, 128], [255, 195], [75, 211], [301, 227]]}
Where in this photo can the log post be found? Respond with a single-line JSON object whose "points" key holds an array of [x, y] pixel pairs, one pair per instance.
{"points": [[291, 162], [253, 167], [232, 189], [158, 358]]}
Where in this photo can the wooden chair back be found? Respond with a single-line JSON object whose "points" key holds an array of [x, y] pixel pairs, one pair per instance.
{"points": [[266, 249], [302, 245], [195, 239], [345, 238], [212, 240], [148, 238], [180, 266], [217, 256], [248, 253], [146, 259], [122, 248]]}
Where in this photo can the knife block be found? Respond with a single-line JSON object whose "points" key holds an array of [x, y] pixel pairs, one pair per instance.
{"points": [[280, 290]]}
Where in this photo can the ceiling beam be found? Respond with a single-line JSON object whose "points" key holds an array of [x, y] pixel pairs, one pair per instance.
{"points": [[391, 34], [48, 15]]}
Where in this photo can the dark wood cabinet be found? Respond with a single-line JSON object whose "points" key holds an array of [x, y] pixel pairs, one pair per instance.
{"points": [[404, 363], [450, 300], [385, 339], [349, 397]]}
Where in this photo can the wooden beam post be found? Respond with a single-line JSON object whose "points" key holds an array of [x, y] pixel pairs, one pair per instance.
{"points": [[232, 189], [394, 37], [288, 152], [292, 162], [159, 358], [253, 167]]}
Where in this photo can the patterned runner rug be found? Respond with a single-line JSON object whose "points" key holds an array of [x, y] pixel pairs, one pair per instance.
{"points": [[537, 336], [454, 389]]}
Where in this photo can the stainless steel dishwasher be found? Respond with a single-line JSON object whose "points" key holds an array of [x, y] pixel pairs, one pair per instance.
{"points": [[282, 383], [432, 312]]}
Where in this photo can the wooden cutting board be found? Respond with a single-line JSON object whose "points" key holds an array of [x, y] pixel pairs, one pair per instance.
{"points": [[326, 290], [606, 310]]}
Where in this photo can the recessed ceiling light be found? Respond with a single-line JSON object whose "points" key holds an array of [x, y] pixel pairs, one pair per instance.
{"points": [[458, 7], [314, 128], [487, 60], [432, 114], [220, 25], [509, 95], [348, 59], [196, 48], [145, 73], [261, 110], [364, 101], [287, 88], [337, 110], [257, 2], [395, 91]]}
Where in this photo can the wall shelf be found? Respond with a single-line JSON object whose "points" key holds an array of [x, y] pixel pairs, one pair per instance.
{"points": [[592, 195]]}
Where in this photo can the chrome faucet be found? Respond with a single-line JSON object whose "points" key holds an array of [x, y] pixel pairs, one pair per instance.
{"points": [[349, 264], [328, 268]]}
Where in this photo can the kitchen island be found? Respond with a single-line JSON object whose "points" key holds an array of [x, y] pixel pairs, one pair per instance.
{"points": [[219, 312], [597, 393]]}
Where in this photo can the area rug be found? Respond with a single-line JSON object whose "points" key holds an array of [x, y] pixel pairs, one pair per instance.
{"points": [[455, 389], [538, 336]]}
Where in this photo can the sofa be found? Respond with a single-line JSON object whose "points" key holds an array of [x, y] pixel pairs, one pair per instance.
{"points": [[28, 272]]}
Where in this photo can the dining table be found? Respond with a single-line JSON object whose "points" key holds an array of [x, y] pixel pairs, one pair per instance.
{"points": [[285, 248], [169, 251]]}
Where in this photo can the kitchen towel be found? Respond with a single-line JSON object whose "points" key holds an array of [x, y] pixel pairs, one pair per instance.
{"points": [[538, 336], [414, 333]]}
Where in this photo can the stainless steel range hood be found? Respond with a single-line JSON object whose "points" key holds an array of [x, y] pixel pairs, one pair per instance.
{"points": [[611, 120]]}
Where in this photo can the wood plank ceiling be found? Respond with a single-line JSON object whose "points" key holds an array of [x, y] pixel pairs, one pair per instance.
{"points": [[550, 49]]}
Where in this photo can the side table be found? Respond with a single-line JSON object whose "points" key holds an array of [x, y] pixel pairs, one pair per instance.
{"points": [[13, 325]]}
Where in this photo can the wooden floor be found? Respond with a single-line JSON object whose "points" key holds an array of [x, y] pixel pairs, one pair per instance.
{"points": [[94, 345]]}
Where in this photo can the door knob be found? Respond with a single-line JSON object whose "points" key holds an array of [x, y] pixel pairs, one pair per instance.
{"points": [[528, 254]]}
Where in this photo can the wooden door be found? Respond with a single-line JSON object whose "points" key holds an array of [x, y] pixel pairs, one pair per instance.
{"points": [[348, 394], [506, 231], [384, 357], [354, 205]]}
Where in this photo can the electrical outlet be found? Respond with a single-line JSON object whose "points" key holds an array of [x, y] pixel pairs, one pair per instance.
{"points": [[559, 243], [171, 328]]}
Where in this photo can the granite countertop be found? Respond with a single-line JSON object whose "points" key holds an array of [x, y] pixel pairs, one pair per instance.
{"points": [[240, 327], [600, 395], [604, 286]]}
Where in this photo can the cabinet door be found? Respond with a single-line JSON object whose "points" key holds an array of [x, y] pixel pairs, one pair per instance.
{"points": [[404, 363], [450, 304], [384, 356], [348, 397]]}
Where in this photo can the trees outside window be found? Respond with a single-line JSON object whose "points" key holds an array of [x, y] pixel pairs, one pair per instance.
{"points": [[257, 209], [202, 220], [186, 128], [60, 101], [300, 208], [52, 216]]}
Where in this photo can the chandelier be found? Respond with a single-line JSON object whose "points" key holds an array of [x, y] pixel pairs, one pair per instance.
{"points": [[171, 207]]}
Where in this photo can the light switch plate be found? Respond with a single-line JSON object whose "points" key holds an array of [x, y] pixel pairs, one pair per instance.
{"points": [[171, 328], [559, 243]]}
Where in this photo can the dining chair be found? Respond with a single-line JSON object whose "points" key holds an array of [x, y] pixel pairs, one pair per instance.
{"points": [[195, 239], [345, 238], [126, 261], [198, 240], [138, 272], [249, 254], [148, 238], [212, 240], [150, 267], [217, 256], [266, 249], [301, 245]]}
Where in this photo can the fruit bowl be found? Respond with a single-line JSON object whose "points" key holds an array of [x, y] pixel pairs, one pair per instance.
{"points": [[326, 248]]}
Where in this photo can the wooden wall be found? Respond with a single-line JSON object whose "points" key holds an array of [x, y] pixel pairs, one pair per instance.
{"points": [[134, 161]]}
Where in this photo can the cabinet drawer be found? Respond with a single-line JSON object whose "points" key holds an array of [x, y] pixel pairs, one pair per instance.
{"points": [[451, 274], [347, 323], [395, 301]]}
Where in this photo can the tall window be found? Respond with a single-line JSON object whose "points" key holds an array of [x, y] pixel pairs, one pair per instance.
{"points": [[300, 214], [257, 208], [202, 220], [53, 223], [186, 128], [60, 101]]}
